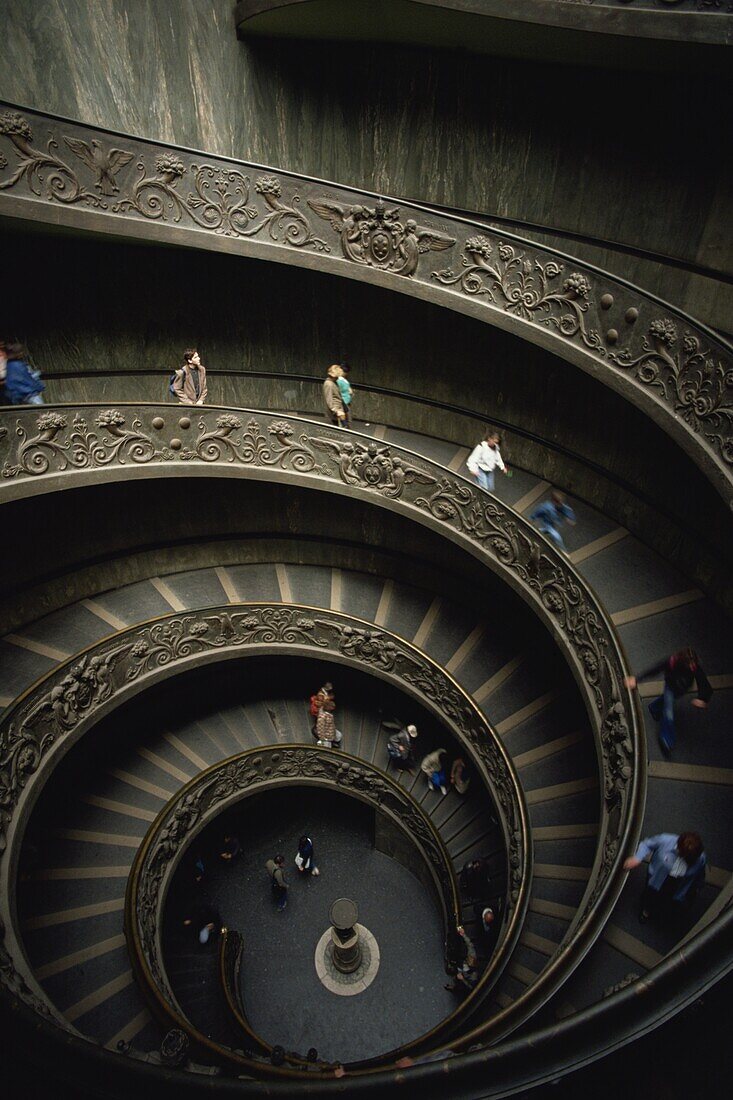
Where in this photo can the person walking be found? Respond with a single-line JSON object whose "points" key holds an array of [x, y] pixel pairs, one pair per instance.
{"points": [[305, 859], [680, 671], [230, 848], [485, 459], [474, 878], [205, 923], [278, 880], [551, 513], [23, 385], [335, 412], [460, 776], [463, 967], [401, 746], [676, 871], [326, 732], [433, 766], [346, 393], [189, 382]]}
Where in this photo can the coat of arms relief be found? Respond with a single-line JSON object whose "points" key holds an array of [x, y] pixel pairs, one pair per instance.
{"points": [[378, 237]]}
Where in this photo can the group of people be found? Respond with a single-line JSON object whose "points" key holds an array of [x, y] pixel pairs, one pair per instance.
{"points": [[203, 918], [401, 745], [462, 955], [337, 395], [305, 863], [483, 462]]}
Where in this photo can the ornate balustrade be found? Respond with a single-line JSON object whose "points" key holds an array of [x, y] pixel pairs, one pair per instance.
{"points": [[41, 451], [676, 370], [212, 792], [81, 445], [49, 718], [231, 948]]}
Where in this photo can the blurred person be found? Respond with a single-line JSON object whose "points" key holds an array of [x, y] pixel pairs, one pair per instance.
{"points": [[305, 858], [23, 385], [680, 671], [460, 776], [550, 514], [278, 881], [401, 745]]}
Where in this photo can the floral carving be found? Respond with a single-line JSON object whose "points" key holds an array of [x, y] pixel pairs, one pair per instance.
{"points": [[252, 447], [84, 448], [509, 276], [220, 201], [696, 383], [371, 646], [44, 172], [521, 285]]}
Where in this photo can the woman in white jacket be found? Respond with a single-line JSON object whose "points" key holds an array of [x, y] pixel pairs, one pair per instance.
{"points": [[484, 459]]}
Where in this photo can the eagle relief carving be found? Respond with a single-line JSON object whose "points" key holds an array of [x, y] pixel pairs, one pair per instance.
{"points": [[105, 165], [377, 236]]}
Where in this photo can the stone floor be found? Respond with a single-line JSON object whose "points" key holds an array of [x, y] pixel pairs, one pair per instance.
{"points": [[284, 999]]}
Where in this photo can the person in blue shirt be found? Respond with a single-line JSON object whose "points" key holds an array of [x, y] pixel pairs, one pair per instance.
{"points": [[551, 513], [346, 394], [23, 385], [676, 870]]}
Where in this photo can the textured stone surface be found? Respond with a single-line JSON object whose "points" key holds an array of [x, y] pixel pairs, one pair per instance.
{"points": [[248, 316], [518, 139]]}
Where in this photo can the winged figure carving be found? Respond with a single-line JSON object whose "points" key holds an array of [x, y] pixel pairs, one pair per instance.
{"points": [[105, 165], [372, 466], [377, 237]]}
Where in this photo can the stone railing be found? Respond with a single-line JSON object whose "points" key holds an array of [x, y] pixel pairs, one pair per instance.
{"points": [[674, 369], [40, 451], [52, 716], [212, 792], [683, 20]]}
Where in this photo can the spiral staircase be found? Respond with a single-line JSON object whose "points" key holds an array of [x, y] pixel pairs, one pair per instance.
{"points": [[71, 894], [120, 700]]}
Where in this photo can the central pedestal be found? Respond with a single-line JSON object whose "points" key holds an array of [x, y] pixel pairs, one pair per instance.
{"points": [[345, 936], [347, 955]]}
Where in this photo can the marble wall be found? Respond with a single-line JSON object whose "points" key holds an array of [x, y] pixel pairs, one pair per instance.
{"points": [[108, 321], [626, 157]]}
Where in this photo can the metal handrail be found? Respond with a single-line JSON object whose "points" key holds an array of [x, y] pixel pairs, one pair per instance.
{"points": [[675, 368]]}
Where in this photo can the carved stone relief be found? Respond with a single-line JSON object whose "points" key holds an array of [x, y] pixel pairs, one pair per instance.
{"points": [[683, 372], [543, 575], [235, 778], [70, 696]]}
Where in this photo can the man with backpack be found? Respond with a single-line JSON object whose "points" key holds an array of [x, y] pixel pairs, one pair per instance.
{"points": [[277, 878], [188, 383]]}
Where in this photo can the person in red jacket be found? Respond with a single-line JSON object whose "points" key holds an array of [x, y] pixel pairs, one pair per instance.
{"points": [[680, 671]]}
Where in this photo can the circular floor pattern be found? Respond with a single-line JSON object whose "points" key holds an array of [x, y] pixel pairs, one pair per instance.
{"points": [[347, 985]]}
